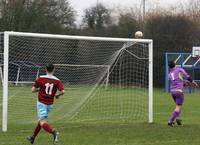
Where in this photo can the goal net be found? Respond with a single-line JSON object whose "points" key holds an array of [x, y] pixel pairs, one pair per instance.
{"points": [[105, 79]]}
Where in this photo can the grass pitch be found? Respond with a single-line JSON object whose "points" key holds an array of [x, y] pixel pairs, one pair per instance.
{"points": [[114, 132]]}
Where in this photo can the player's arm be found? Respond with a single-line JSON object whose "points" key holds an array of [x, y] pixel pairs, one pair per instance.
{"points": [[189, 78], [60, 94], [192, 82], [61, 90], [35, 87]]}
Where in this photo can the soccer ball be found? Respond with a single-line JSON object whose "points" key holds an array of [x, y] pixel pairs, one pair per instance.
{"points": [[138, 34]]}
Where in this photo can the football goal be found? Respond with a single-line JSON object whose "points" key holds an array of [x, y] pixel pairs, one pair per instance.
{"points": [[105, 79]]}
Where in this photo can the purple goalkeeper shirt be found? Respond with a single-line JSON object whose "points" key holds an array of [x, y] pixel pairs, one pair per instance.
{"points": [[176, 76]]}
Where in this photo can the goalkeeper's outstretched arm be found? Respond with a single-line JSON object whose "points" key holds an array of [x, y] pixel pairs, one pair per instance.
{"points": [[192, 82], [186, 75]]}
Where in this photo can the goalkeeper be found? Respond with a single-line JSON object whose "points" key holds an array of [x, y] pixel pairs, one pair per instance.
{"points": [[46, 86], [178, 77]]}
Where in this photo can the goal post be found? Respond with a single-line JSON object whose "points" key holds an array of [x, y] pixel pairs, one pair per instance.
{"points": [[5, 82], [107, 79], [150, 116]]}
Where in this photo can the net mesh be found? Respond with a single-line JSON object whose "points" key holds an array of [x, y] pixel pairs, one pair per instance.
{"points": [[104, 80]]}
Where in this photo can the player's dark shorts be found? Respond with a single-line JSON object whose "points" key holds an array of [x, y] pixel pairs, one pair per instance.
{"points": [[178, 97]]}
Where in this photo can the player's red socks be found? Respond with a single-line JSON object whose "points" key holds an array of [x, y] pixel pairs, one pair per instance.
{"points": [[37, 130], [47, 128]]}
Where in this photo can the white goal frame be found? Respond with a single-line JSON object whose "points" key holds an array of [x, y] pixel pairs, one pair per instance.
{"points": [[6, 64]]}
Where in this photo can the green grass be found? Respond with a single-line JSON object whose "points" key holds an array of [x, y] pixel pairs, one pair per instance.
{"points": [[112, 131]]}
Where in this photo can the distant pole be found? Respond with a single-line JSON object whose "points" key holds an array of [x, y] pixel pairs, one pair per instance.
{"points": [[143, 16], [97, 5], [97, 2], [144, 10]]}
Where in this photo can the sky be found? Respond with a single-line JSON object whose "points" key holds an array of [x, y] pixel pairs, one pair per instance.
{"points": [[80, 5]]}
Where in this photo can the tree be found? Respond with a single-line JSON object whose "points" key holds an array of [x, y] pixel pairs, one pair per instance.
{"points": [[97, 17], [172, 33], [194, 9], [128, 25], [51, 16]]}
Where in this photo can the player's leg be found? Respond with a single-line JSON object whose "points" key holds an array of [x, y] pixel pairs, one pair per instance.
{"points": [[40, 109], [178, 119], [30, 139], [179, 102], [55, 132], [43, 118], [175, 114], [48, 128], [35, 133], [179, 99], [37, 130], [43, 111]]}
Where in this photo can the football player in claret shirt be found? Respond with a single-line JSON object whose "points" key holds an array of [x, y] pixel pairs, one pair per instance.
{"points": [[178, 77], [46, 86]]}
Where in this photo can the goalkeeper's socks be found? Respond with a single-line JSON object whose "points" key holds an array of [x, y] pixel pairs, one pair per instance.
{"points": [[47, 128], [174, 115], [37, 130], [179, 115]]}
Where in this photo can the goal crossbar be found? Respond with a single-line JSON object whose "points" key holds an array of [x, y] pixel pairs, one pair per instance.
{"points": [[40, 35]]}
